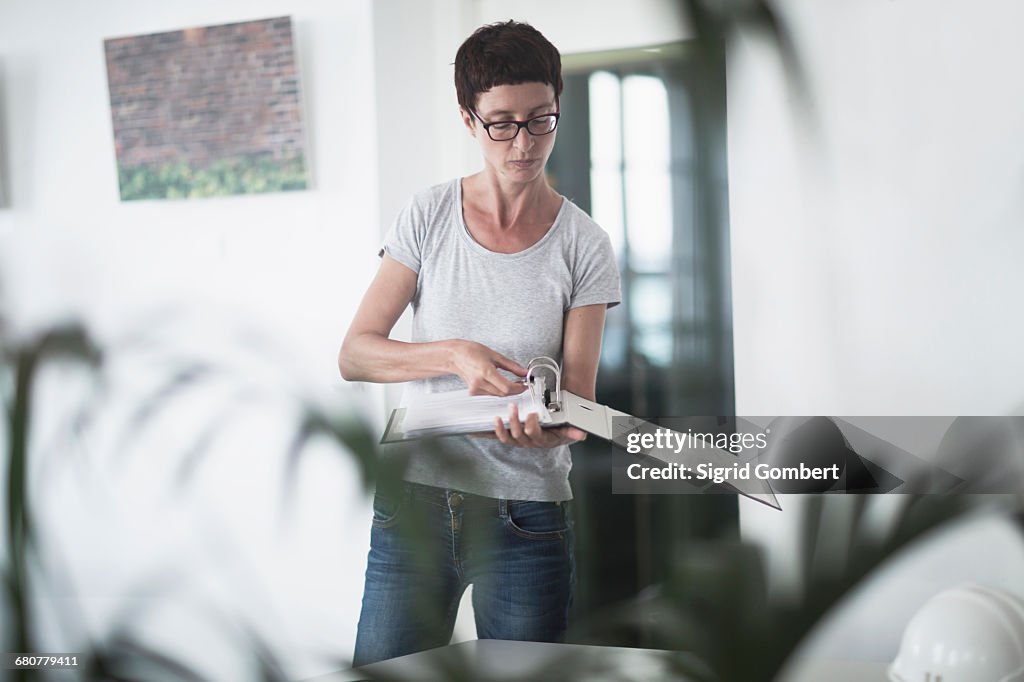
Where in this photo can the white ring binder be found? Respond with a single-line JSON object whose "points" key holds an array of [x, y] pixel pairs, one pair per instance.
{"points": [[457, 412]]}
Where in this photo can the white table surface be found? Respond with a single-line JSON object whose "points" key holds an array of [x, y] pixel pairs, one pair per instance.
{"points": [[496, 659]]}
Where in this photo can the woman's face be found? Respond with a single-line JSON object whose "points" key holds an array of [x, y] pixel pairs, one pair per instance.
{"points": [[522, 158]]}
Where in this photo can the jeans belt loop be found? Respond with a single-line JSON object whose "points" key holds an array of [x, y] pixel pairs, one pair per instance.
{"points": [[502, 508]]}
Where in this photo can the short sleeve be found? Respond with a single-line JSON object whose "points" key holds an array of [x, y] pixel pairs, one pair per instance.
{"points": [[404, 241], [595, 274]]}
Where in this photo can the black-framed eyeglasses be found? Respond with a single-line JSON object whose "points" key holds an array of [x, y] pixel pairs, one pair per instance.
{"points": [[503, 131]]}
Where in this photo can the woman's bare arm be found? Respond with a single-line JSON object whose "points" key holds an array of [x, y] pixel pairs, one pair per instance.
{"points": [[367, 354]]}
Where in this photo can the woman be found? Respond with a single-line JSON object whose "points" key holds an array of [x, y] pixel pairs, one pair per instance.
{"points": [[499, 269]]}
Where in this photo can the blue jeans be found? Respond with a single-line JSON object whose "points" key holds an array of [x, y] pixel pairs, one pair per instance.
{"points": [[427, 544]]}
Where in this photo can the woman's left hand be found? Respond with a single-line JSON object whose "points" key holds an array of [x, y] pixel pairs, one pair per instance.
{"points": [[529, 434]]}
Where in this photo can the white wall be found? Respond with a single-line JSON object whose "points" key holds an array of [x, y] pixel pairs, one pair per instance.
{"points": [[877, 277], [62, 182], [292, 265], [575, 26], [876, 242]]}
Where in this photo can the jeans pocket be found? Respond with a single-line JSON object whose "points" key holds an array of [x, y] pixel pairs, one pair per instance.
{"points": [[385, 510], [537, 520]]}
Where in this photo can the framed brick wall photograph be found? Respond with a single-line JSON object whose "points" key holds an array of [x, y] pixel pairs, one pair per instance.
{"points": [[204, 112]]}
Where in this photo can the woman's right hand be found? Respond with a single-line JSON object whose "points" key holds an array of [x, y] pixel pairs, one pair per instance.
{"points": [[477, 365]]}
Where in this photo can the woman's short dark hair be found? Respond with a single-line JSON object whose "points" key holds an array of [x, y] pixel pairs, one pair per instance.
{"points": [[505, 53]]}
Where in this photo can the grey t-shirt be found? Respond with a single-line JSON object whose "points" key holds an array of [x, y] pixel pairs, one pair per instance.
{"points": [[514, 303]]}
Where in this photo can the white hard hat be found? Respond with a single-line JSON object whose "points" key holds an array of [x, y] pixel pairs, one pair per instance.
{"points": [[966, 634]]}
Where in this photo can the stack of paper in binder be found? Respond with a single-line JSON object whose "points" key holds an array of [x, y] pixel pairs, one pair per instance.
{"points": [[459, 412], [456, 412]]}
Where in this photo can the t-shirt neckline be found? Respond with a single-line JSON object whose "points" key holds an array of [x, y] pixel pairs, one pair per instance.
{"points": [[481, 249]]}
